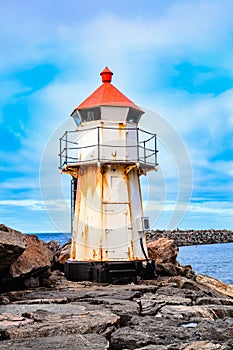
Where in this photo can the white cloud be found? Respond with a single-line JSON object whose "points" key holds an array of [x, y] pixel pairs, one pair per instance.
{"points": [[23, 183], [219, 208], [184, 29], [187, 29], [59, 205], [26, 203], [210, 207]]}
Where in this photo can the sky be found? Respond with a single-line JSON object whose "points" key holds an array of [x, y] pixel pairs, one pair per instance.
{"points": [[174, 58]]}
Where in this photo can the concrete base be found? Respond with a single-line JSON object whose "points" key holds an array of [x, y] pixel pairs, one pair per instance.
{"points": [[115, 272]]}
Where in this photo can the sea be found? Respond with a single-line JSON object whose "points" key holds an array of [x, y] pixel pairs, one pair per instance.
{"points": [[215, 260]]}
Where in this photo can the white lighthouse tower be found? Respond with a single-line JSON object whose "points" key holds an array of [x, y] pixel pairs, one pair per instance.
{"points": [[106, 155]]}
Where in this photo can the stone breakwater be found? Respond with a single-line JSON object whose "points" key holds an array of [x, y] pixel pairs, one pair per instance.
{"points": [[193, 237]]}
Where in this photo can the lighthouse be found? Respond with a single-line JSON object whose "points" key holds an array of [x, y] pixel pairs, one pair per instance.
{"points": [[105, 156]]}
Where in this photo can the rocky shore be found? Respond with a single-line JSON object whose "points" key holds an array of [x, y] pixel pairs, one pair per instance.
{"points": [[166, 313], [40, 309], [192, 237]]}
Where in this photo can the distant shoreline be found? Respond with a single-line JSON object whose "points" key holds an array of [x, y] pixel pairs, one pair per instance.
{"points": [[192, 237]]}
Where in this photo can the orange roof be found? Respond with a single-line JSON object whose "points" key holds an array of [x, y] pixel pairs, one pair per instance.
{"points": [[106, 95]]}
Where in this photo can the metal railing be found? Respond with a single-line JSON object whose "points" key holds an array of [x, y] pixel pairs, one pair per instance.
{"points": [[142, 148]]}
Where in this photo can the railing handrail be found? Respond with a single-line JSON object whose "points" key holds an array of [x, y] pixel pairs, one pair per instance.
{"points": [[149, 156], [105, 145]]}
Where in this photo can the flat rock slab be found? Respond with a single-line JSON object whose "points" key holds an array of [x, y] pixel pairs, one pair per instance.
{"points": [[67, 342], [158, 331], [197, 345], [51, 320], [73, 291]]}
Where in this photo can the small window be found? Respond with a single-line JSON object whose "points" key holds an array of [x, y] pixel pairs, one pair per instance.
{"points": [[133, 116], [91, 114]]}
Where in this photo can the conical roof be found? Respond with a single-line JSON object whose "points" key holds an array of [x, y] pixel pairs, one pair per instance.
{"points": [[106, 95]]}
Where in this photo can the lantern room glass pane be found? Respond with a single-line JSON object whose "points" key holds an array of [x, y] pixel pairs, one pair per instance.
{"points": [[133, 116], [76, 118], [90, 114]]}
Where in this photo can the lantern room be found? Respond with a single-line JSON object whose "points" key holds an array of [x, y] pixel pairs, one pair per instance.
{"points": [[106, 155]]}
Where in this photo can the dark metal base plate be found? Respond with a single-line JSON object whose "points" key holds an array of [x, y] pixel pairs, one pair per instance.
{"points": [[115, 272]]}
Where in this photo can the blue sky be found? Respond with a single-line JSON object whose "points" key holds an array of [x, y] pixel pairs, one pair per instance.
{"points": [[174, 58]]}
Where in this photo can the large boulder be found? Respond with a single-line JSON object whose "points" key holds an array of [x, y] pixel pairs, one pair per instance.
{"points": [[12, 245], [36, 257], [162, 251], [25, 260]]}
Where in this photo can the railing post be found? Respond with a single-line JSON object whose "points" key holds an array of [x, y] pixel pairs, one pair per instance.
{"points": [[60, 153], [144, 144], [72, 203], [98, 129], [138, 145], [66, 144], [155, 150]]}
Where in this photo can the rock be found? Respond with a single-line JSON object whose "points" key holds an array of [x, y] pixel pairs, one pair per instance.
{"points": [[211, 282], [67, 342], [8, 321], [12, 245], [24, 260], [166, 269], [55, 279], [197, 345], [163, 251], [187, 312], [161, 331], [172, 319], [186, 271], [4, 300], [31, 269], [204, 345], [5, 228], [54, 247], [35, 258], [48, 321], [46, 282], [31, 282], [64, 253]]}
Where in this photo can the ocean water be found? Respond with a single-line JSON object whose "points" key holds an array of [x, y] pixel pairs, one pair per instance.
{"points": [[62, 238], [215, 260]]}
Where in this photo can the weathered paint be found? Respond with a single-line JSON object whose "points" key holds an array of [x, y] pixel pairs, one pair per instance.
{"points": [[108, 197], [104, 225]]}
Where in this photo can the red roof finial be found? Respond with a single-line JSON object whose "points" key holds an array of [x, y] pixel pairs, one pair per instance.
{"points": [[106, 75]]}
